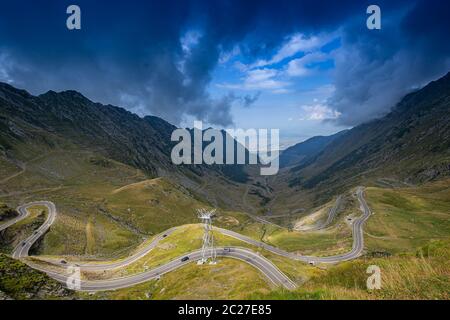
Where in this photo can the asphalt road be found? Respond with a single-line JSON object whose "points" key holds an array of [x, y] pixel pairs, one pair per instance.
{"points": [[22, 215], [332, 212], [357, 232], [22, 249], [103, 266], [331, 215], [265, 266]]}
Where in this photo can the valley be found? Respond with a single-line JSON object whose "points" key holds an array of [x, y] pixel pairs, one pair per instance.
{"points": [[121, 209]]}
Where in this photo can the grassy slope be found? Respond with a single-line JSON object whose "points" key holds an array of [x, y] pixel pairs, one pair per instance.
{"points": [[230, 279], [75, 184], [153, 205], [407, 218], [412, 224], [12, 236], [6, 213], [418, 269], [422, 276], [189, 238], [106, 209], [332, 240], [94, 219], [19, 281]]}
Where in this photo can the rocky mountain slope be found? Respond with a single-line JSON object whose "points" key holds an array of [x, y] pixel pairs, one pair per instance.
{"points": [[18, 281], [305, 151], [409, 145], [54, 120], [6, 212]]}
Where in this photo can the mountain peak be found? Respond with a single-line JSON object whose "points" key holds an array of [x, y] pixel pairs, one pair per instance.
{"points": [[67, 95], [424, 97], [7, 88]]}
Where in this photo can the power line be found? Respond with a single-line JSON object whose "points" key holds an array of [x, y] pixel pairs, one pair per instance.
{"points": [[208, 249]]}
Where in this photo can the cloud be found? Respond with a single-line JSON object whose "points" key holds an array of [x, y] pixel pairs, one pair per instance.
{"points": [[263, 79], [189, 40], [296, 43], [154, 57], [220, 111], [276, 80], [281, 91], [159, 57], [259, 79], [226, 56], [319, 112], [248, 100], [375, 69], [259, 76], [302, 66], [5, 68], [324, 91]]}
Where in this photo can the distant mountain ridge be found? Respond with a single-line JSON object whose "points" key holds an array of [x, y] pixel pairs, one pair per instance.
{"points": [[54, 120], [411, 144], [306, 150], [112, 131]]}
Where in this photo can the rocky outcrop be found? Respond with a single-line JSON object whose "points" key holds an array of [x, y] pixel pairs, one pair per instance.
{"points": [[18, 281], [6, 212]]}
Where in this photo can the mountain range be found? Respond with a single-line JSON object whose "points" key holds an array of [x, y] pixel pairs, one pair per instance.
{"points": [[33, 125], [409, 145]]}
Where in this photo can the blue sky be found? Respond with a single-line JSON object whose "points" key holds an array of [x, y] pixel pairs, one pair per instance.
{"points": [[306, 67], [287, 91]]}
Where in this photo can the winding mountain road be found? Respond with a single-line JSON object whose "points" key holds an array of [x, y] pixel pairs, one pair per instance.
{"points": [[357, 232], [277, 277], [331, 215], [22, 249], [265, 266], [22, 215]]}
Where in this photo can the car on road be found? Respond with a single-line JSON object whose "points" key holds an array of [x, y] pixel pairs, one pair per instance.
{"points": [[164, 235], [227, 249], [63, 261], [23, 244], [184, 259]]}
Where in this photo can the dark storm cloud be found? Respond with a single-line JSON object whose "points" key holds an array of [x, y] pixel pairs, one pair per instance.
{"points": [[129, 53], [248, 100], [375, 69]]}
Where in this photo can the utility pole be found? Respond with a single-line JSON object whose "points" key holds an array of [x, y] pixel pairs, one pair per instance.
{"points": [[208, 249]]}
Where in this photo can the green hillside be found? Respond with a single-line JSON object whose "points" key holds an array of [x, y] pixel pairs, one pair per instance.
{"points": [[18, 281], [408, 146]]}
